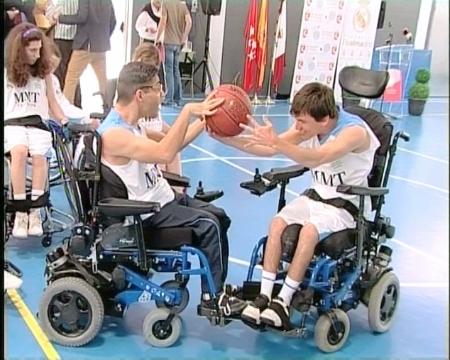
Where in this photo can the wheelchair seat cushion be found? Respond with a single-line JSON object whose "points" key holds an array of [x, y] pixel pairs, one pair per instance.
{"points": [[336, 243], [167, 238]]}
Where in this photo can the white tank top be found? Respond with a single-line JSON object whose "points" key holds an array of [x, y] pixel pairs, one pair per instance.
{"points": [[143, 181], [30, 99], [351, 169]]}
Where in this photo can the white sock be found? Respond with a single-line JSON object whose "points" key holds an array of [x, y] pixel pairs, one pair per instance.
{"points": [[289, 288], [19, 196], [267, 281], [35, 194]]}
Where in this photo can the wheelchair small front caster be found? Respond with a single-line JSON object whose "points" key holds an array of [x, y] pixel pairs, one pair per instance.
{"points": [[157, 332], [46, 241]]}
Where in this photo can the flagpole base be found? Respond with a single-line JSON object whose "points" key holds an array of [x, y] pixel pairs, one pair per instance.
{"points": [[270, 101], [257, 101]]}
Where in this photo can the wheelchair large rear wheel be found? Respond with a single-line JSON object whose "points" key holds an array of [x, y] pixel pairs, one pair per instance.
{"points": [[156, 333], [71, 312], [383, 302], [329, 338], [173, 284]]}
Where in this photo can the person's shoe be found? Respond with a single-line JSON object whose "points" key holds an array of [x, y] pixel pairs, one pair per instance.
{"points": [[277, 315], [11, 281], [20, 225], [230, 305], [252, 311], [35, 223]]}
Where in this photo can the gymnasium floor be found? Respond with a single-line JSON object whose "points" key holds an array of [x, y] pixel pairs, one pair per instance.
{"points": [[417, 204]]}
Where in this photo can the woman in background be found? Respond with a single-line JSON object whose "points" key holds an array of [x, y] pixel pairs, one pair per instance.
{"points": [[148, 20]]}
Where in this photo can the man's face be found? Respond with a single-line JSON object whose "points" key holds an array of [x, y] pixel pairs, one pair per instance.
{"points": [[308, 126], [33, 52], [150, 97]]}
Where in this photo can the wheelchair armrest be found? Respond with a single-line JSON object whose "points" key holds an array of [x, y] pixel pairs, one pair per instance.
{"points": [[117, 207], [175, 179], [362, 190], [284, 173], [97, 115], [77, 128]]}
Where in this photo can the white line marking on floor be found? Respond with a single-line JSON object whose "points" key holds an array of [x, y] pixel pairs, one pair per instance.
{"points": [[423, 155], [445, 191], [420, 252]]}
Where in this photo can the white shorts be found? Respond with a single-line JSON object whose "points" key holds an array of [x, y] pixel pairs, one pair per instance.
{"points": [[326, 218], [38, 141]]}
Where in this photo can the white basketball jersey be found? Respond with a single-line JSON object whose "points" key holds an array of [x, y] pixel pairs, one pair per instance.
{"points": [[351, 169], [30, 99], [143, 181]]}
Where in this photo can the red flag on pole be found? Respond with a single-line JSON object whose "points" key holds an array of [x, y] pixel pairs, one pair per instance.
{"points": [[261, 52], [279, 50], [250, 68]]}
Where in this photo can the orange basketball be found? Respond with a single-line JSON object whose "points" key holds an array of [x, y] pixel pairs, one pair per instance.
{"points": [[225, 122]]}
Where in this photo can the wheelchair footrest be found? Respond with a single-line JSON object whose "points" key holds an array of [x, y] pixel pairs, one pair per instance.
{"points": [[251, 289]]}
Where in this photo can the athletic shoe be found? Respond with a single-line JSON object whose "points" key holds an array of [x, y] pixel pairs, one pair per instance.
{"points": [[252, 311]]}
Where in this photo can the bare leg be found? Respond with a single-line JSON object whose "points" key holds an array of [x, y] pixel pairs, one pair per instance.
{"points": [[40, 172], [19, 155], [308, 239], [272, 253]]}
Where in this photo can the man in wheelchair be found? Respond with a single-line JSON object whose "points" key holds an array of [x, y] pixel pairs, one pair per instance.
{"points": [[339, 148], [129, 170]]}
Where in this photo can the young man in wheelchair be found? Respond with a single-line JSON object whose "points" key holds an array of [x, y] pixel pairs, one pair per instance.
{"points": [[133, 158], [338, 147]]}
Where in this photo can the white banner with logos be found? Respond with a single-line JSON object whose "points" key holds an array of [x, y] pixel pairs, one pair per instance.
{"points": [[358, 36], [318, 45]]}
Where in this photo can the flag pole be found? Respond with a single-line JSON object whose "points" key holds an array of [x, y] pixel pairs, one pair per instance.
{"points": [[269, 100]]}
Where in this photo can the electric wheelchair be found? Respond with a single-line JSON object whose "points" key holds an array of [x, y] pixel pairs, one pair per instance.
{"points": [[103, 267], [348, 267], [54, 220]]}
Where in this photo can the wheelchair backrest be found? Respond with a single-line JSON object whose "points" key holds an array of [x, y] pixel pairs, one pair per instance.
{"points": [[383, 130]]}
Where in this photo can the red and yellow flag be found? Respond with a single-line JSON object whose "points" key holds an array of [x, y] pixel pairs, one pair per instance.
{"points": [[261, 52], [250, 64]]}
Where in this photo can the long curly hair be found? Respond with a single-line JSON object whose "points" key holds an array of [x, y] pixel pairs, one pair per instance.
{"points": [[17, 69]]}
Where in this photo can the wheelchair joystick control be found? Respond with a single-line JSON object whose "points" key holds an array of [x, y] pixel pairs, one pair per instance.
{"points": [[200, 190], [257, 177]]}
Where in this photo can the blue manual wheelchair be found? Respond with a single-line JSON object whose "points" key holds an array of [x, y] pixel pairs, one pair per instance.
{"points": [[348, 267], [101, 268]]}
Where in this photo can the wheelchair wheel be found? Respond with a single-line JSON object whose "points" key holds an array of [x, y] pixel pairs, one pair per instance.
{"points": [[383, 302], [329, 338], [71, 312], [173, 284], [154, 331]]}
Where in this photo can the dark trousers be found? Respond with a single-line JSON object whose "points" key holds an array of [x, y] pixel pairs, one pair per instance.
{"points": [[65, 46], [209, 224]]}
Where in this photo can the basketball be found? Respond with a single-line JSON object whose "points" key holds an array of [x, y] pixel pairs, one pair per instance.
{"points": [[225, 122]]}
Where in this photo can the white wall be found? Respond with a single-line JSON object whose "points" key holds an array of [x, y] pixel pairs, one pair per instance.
{"points": [[437, 42]]}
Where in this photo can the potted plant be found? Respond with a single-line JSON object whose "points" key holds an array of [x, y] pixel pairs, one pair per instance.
{"points": [[419, 92]]}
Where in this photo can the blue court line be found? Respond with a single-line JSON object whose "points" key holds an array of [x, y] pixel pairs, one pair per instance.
{"points": [[223, 159]]}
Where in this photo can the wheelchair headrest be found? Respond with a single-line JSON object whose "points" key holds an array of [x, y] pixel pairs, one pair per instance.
{"points": [[363, 82]]}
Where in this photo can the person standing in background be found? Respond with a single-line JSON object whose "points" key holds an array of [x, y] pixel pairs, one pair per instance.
{"points": [[175, 24], [148, 20], [12, 15], [64, 34], [95, 22]]}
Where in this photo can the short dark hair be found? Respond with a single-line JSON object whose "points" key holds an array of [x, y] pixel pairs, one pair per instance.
{"points": [[316, 100], [133, 76]]}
